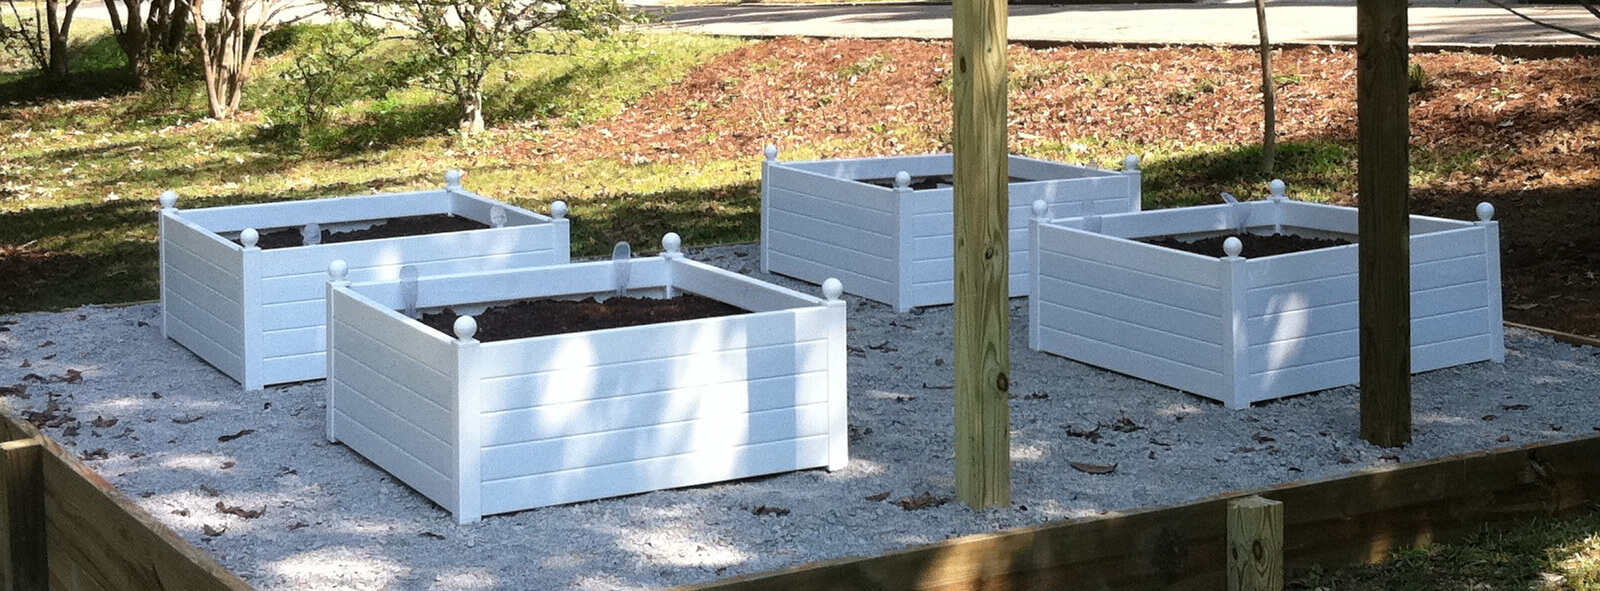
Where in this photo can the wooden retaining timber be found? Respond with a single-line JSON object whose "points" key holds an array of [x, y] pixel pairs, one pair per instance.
{"points": [[65, 528], [1345, 520], [1565, 337]]}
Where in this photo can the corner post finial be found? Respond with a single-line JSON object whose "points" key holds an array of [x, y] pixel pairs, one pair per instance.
{"points": [[1232, 247], [832, 289], [169, 199], [452, 179], [558, 210], [337, 270], [771, 152], [1278, 190], [902, 180], [465, 328], [672, 244], [1485, 211], [249, 237], [1131, 163], [1040, 208]]}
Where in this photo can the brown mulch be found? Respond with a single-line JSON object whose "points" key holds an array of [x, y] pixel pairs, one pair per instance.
{"points": [[1535, 123], [536, 318], [417, 225]]}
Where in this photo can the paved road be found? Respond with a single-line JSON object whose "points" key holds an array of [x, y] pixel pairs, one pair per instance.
{"points": [[1470, 23]]}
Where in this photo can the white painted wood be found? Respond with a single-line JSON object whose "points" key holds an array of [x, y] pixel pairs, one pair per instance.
{"points": [[1286, 324], [274, 299], [572, 417], [820, 220], [1491, 264]]}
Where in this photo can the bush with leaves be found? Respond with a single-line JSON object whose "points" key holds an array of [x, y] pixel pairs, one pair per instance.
{"points": [[463, 39], [324, 72]]}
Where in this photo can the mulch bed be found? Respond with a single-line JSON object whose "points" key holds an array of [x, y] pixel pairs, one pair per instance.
{"points": [[1255, 245], [920, 183], [537, 318], [393, 228]]}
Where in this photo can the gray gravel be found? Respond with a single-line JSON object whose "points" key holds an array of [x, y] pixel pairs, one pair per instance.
{"points": [[334, 521]]}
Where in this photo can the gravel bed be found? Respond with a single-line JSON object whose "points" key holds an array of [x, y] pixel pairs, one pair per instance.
{"points": [[334, 521]]}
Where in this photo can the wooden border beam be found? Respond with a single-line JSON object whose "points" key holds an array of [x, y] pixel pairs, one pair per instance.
{"points": [[22, 538]]}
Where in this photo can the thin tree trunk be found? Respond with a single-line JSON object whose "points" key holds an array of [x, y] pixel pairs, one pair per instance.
{"points": [[1269, 95]]}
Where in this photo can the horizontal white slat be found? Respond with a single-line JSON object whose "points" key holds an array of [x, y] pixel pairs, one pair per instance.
{"points": [[261, 216], [312, 312], [393, 394], [1137, 334], [403, 428], [1144, 258], [406, 250], [294, 368], [726, 401], [293, 341], [310, 286], [738, 290], [1328, 218], [876, 167], [417, 342], [1300, 267], [798, 191], [637, 343], [653, 441], [690, 370], [840, 233], [653, 474], [1206, 300], [179, 231], [203, 298], [221, 356], [1182, 220], [437, 387], [218, 282], [1448, 272], [1446, 245], [1189, 323], [876, 288], [1154, 368], [1469, 349], [417, 474], [833, 257], [216, 330], [477, 207]]}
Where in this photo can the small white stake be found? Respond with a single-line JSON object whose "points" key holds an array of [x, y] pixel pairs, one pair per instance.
{"points": [[338, 269], [1039, 208], [671, 243], [466, 327], [452, 179], [1131, 163], [408, 290], [497, 217], [1232, 247], [620, 267], [1485, 211], [1092, 223], [249, 237], [771, 152], [902, 180], [1277, 190], [558, 210], [169, 199], [311, 234], [832, 289]]}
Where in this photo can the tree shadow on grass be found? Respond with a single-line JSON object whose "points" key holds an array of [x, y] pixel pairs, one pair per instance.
{"points": [[702, 217]]}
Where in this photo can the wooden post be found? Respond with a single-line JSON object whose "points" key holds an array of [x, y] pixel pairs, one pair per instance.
{"points": [[982, 306], [1383, 128], [1255, 544], [22, 543]]}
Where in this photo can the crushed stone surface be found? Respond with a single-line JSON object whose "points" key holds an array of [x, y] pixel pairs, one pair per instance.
{"points": [[202, 455]]}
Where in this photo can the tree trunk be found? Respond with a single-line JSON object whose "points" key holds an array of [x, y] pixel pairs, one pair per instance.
{"points": [[1269, 95], [58, 32], [472, 111]]}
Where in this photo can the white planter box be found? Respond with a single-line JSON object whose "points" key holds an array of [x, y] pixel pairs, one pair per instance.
{"points": [[257, 315], [1242, 330], [485, 428], [896, 244]]}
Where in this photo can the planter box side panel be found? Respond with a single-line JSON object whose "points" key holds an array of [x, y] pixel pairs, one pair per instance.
{"points": [[877, 167], [820, 227], [284, 214], [1087, 294], [392, 395], [607, 413], [1301, 318], [292, 308], [202, 294], [1452, 318]]}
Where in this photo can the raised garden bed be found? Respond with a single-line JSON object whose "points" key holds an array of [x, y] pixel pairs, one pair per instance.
{"points": [[256, 313], [492, 427], [1239, 329], [886, 225]]}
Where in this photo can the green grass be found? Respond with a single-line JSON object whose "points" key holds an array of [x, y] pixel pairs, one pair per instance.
{"points": [[1540, 555]]}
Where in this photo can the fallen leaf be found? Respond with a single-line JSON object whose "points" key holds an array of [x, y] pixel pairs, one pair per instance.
{"points": [[922, 501], [210, 492], [1089, 468], [765, 510], [1093, 435], [181, 512], [1523, 306], [878, 497], [1125, 425], [925, 386], [1503, 439], [100, 422], [242, 433], [298, 525], [228, 465], [98, 453], [212, 532], [1514, 407], [1489, 417], [429, 534], [186, 419], [18, 390], [240, 511]]}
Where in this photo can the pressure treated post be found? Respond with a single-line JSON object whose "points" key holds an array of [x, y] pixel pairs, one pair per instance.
{"points": [[1383, 127], [22, 543], [1255, 544], [982, 306]]}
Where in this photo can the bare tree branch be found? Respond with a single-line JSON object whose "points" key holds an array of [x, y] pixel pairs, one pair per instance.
{"points": [[1549, 25]]}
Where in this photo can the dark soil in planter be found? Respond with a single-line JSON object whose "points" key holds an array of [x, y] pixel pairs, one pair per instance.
{"points": [[1255, 245], [537, 318], [393, 228], [920, 183]]}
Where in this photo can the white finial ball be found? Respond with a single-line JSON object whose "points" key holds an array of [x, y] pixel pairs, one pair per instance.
{"points": [[452, 178], [1232, 246], [1278, 189], [832, 289], [1039, 207], [169, 199], [1485, 211], [249, 237], [466, 327], [1131, 163], [558, 210], [337, 270], [671, 242], [902, 179], [771, 151]]}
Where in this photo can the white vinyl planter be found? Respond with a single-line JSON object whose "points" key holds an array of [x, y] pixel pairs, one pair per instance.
{"points": [[494, 427], [895, 244], [257, 315], [1242, 330]]}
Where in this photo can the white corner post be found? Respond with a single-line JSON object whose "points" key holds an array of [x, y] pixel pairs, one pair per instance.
{"points": [[338, 271], [250, 272], [563, 227], [1235, 337], [468, 421], [1491, 258], [838, 375], [771, 154], [1277, 194], [905, 206], [1130, 168], [672, 251], [1040, 210], [452, 180], [169, 212]]}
